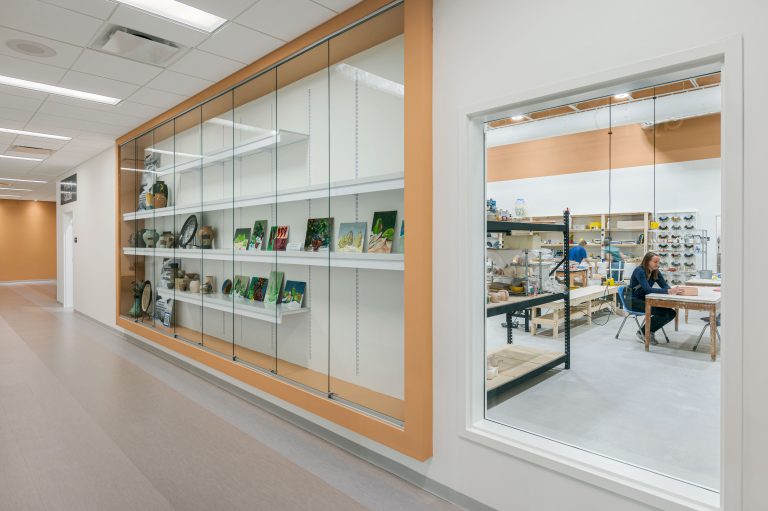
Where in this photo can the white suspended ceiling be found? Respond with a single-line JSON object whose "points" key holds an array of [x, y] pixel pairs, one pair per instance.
{"points": [[70, 27]]}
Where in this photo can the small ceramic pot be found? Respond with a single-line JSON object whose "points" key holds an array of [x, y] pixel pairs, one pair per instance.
{"points": [[194, 286], [207, 286], [160, 192], [205, 237], [150, 237], [166, 240], [182, 283]]}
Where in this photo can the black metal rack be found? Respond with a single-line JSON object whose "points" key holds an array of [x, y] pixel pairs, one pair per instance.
{"points": [[524, 304]]}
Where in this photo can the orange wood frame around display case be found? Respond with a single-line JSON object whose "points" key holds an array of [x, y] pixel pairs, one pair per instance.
{"points": [[414, 437]]}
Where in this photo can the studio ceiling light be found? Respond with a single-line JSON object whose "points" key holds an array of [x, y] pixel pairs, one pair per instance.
{"points": [[20, 158], [12, 196], [53, 89], [15, 190], [179, 12], [22, 180], [623, 95], [33, 134], [518, 117]]}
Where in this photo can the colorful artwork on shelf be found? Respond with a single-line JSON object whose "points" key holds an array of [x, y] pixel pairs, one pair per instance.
{"points": [[242, 237], [351, 237], [258, 235], [258, 289], [318, 234], [240, 287], [401, 240], [293, 296], [382, 232], [164, 311], [278, 237], [274, 287]]}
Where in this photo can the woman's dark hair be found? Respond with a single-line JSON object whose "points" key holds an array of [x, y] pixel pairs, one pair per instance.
{"points": [[650, 275]]}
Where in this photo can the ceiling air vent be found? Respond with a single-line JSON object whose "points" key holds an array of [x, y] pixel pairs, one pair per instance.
{"points": [[136, 45], [25, 150]]}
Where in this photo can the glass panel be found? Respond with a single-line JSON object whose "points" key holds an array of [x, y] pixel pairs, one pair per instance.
{"points": [[186, 164], [161, 199], [216, 228], [145, 223], [302, 220], [367, 203], [129, 172], [254, 184]]}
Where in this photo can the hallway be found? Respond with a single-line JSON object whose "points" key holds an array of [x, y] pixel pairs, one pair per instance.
{"points": [[89, 421]]}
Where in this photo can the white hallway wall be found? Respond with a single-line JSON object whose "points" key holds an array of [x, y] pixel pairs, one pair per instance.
{"points": [[684, 186], [94, 214], [497, 48]]}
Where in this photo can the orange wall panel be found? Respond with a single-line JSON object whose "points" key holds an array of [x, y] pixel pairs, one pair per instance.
{"points": [[27, 240]]}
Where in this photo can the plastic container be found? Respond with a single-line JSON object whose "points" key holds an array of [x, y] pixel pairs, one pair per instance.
{"points": [[521, 210]]}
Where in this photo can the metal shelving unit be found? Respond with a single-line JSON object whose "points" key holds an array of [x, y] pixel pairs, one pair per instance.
{"points": [[518, 304]]}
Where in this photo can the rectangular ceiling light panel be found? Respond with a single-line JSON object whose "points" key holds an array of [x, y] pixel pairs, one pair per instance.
{"points": [[19, 158], [52, 89], [179, 12], [33, 134]]}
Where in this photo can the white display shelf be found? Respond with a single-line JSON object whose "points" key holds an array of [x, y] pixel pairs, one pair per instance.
{"points": [[265, 142], [235, 305], [337, 189], [370, 261]]}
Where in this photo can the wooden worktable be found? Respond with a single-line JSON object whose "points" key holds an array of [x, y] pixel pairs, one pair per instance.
{"points": [[581, 306], [707, 300]]}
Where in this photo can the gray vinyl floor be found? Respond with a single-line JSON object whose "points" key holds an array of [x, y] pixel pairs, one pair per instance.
{"points": [[88, 421], [658, 410]]}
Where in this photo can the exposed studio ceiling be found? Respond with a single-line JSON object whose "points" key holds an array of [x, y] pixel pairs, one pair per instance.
{"points": [[71, 27]]}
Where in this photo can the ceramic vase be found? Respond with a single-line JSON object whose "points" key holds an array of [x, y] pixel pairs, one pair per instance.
{"points": [[150, 237], [160, 192]]}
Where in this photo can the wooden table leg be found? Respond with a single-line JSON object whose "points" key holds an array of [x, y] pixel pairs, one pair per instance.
{"points": [[686, 316], [534, 325], [647, 326], [589, 312], [677, 318], [555, 323], [713, 333]]}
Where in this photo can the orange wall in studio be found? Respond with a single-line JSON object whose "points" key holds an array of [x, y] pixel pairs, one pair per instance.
{"points": [[27, 240]]}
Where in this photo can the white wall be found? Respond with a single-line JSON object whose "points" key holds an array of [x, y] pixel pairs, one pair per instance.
{"points": [[498, 48], [94, 218], [686, 186]]}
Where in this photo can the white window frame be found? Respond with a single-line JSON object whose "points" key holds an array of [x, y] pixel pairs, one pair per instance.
{"points": [[615, 476]]}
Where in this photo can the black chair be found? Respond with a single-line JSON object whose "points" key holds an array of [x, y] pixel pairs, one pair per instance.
{"points": [[633, 314], [706, 325]]}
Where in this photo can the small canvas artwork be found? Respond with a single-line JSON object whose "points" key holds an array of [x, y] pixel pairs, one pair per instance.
{"points": [[278, 237], [351, 237], [242, 237], [164, 310], [401, 240], [240, 288], [293, 296], [382, 232], [258, 235], [258, 289], [318, 234], [274, 287]]}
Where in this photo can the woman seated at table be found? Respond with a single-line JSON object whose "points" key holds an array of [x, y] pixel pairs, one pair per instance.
{"points": [[647, 279]]}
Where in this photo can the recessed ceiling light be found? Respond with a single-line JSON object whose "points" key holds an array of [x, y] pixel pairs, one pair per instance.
{"points": [[32, 48], [22, 180], [179, 12], [20, 158], [52, 89], [14, 196], [518, 117], [623, 95], [15, 190], [34, 134]]}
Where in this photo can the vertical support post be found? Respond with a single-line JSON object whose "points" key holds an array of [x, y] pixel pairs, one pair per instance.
{"points": [[509, 328], [567, 297]]}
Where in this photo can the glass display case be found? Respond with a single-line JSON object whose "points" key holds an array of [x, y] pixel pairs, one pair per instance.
{"points": [[267, 224]]}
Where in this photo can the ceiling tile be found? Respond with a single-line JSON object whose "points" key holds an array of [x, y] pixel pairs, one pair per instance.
{"points": [[159, 27], [240, 43], [13, 114], [22, 93], [97, 8], [157, 98], [50, 21], [75, 112], [130, 109], [337, 5], [284, 19], [170, 81], [97, 84], [227, 10], [66, 54], [206, 65], [28, 70], [43, 122], [117, 68], [19, 103]]}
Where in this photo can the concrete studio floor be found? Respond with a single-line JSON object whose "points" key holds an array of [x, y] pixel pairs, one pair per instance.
{"points": [[657, 410], [89, 421]]}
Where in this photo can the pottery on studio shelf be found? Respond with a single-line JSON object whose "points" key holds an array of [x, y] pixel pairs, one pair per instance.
{"points": [[205, 237], [166, 240], [150, 237], [207, 285], [194, 286]]}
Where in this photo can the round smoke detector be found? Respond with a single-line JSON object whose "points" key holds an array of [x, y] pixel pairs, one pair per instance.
{"points": [[31, 48]]}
